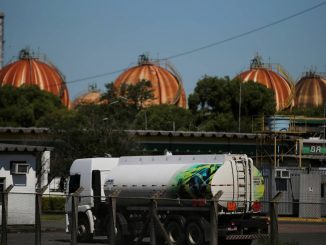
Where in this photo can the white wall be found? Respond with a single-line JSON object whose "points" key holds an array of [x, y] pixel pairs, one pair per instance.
{"points": [[21, 201]]}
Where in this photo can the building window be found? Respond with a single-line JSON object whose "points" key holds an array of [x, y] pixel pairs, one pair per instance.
{"points": [[74, 183], [19, 167], [281, 184]]}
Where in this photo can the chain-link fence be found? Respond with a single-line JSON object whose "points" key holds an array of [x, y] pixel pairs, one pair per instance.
{"points": [[154, 220]]}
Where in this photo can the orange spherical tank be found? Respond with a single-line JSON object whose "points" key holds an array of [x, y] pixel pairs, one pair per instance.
{"points": [[89, 98], [283, 89], [167, 88], [31, 71], [310, 91]]}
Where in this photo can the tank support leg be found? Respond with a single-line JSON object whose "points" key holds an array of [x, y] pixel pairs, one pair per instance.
{"points": [[214, 218], [156, 220], [150, 223]]}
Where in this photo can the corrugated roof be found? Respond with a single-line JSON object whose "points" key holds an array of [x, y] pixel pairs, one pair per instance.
{"points": [[31, 130], [23, 148], [195, 134]]}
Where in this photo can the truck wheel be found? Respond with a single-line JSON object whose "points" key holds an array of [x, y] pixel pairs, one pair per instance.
{"points": [[175, 232], [122, 239], [194, 234], [84, 234]]}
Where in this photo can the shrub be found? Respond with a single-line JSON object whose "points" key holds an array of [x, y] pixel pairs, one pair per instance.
{"points": [[53, 204]]}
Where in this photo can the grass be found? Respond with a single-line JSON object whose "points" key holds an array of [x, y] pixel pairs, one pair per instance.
{"points": [[54, 217]]}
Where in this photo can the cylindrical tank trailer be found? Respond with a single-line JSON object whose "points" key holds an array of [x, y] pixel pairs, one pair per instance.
{"points": [[185, 177]]}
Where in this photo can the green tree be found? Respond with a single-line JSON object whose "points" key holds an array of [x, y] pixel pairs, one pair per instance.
{"points": [[219, 122], [163, 117], [88, 132], [308, 112], [26, 106], [211, 94], [215, 103], [137, 94], [256, 99]]}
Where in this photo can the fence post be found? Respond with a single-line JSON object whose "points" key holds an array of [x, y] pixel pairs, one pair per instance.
{"points": [[214, 218], [151, 223], [38, 212], [4, 217], [111, 201], [273, 218], [74, 215]]}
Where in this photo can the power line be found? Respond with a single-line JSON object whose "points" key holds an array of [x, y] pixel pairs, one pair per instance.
{"points": [[97, 76], [215, 43], [247, 32]]}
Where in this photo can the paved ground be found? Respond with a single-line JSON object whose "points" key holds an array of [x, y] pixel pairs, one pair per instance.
{"points": [[297, 232]]}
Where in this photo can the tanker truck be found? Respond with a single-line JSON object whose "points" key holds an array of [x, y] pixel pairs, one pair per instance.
{"points": [[182, 185]]}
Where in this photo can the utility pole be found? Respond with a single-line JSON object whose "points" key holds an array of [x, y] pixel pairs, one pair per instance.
{"points": [[240, 108], [324, 119], [145, 120]]}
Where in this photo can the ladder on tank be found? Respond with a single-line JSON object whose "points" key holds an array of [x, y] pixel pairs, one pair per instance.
{"points": [[242, 170]]}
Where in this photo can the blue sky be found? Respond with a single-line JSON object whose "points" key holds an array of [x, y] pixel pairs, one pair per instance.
{"points": [[85, 38]]}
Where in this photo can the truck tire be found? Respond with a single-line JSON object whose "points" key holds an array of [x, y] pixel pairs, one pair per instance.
{"points": [[175, 232], [194, 234], [84, 234]]}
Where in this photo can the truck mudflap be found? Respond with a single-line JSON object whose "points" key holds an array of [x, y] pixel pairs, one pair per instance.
{"points": [[247, 237]]}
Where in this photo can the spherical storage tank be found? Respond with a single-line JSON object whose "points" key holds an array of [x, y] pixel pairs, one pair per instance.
{"points": [[167, 85], [282, 87], [30, 70], [92, 96], [310, 91]]}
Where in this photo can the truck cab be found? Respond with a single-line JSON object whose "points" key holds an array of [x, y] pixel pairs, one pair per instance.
{"points": [[89, 173]]}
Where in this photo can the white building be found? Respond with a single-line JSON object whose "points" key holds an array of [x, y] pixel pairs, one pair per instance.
{"points": [[26, 168]]}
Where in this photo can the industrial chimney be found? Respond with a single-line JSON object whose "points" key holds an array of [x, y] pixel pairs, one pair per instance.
{"points": [[2, 42]]}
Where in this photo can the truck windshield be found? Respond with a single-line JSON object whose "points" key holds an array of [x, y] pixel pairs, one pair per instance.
{"points": [[74, 183]]}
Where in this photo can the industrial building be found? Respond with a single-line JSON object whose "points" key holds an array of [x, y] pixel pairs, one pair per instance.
{"points": [[26, 168]]}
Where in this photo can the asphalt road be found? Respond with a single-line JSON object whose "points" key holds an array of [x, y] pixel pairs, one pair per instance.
{"points": [[294, 233]]}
